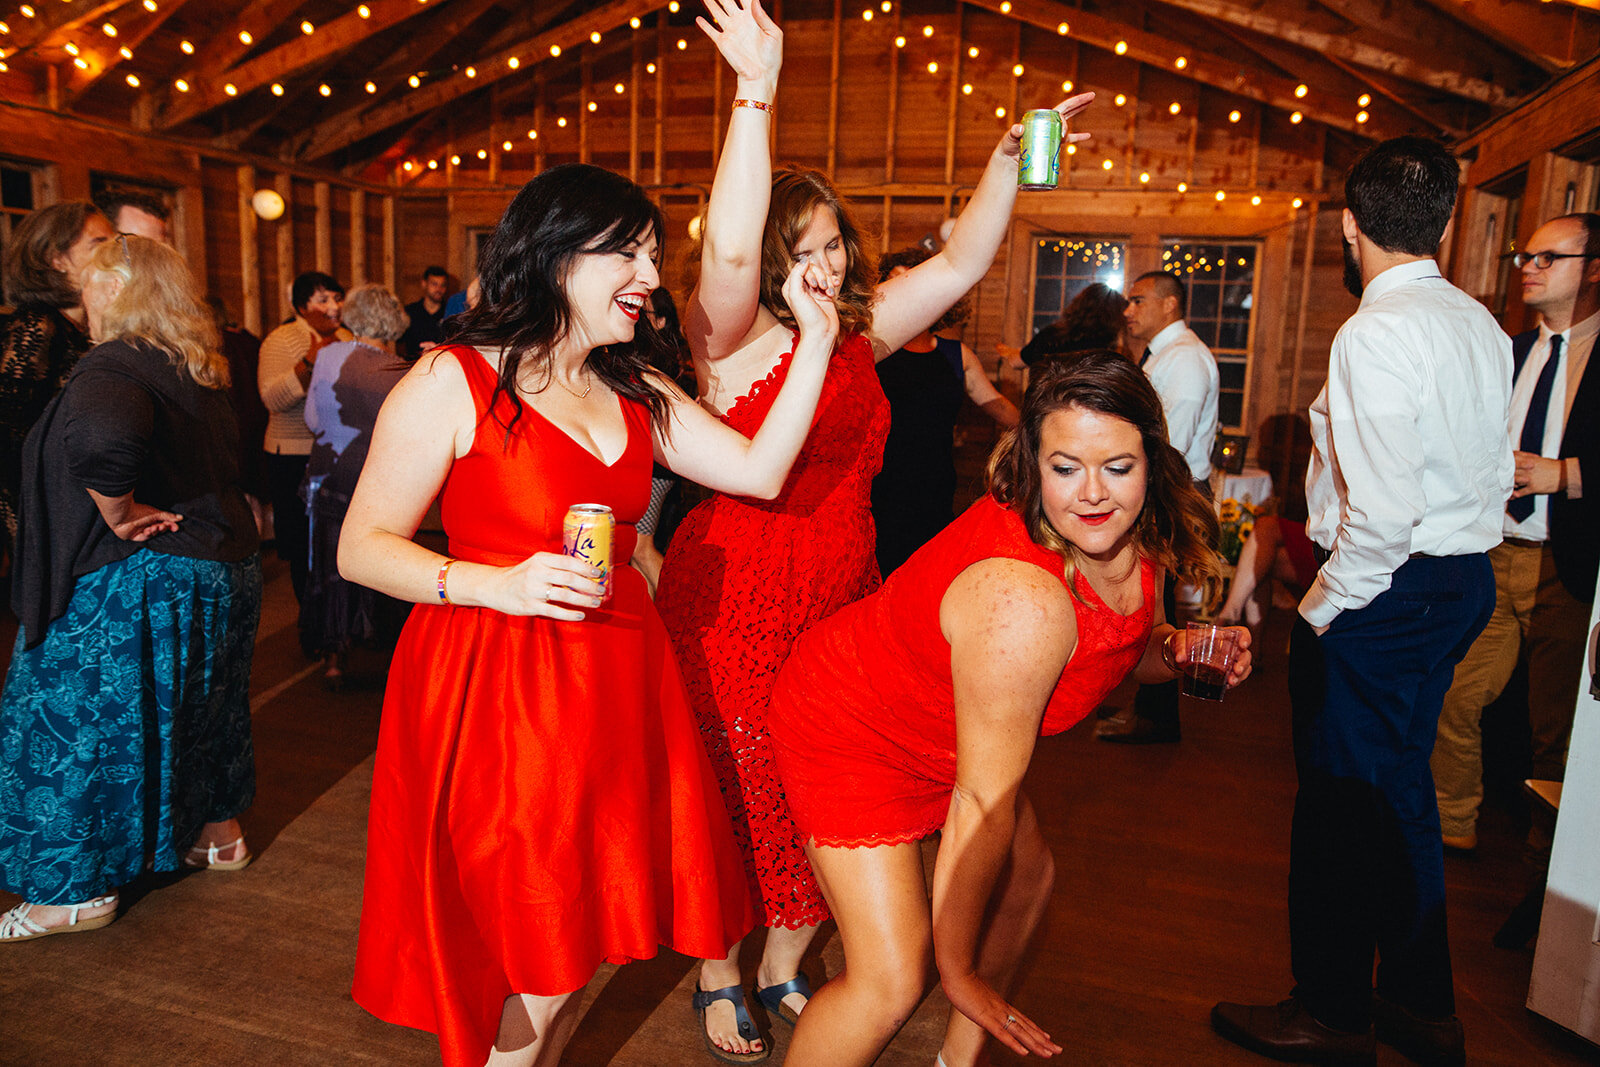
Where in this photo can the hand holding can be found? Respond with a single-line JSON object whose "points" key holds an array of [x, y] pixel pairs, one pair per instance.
{"points": [[586, 533]]}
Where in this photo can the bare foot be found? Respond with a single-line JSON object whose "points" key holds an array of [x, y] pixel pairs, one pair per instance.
{"points": [[722, 1025]]}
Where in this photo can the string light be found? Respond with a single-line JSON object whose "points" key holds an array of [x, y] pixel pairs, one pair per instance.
{"points": [[673, 7], [1363, 100], [999, 112], [1005, 8], [471, 72], [277, 89], [81, 63], [886, 6], [1183, 187], [533, 135], [966, 89], [650, 68], [1106, 164], [1181, 62], [125, 52], [899, 42], [186, 47], [682, 44], [1298, 203], [231, 89], [27, 11], [1296, 118], [1144, 178], [306, 28], [594, 37], [364, 11], [562, 123], [245, 38], [513, 62], [455, 161], [1066, 86], [1220, 197], [408, 166], [483, 153], [70, 48], [927, 31], [1362, 116], [933, 66], [325, 89], [1174, 107], [414, 81], [619, 88], [505, 146], [1300, 91], [150, 6], [1121, 99], [593, 106], [1016, 71], [5, 27], [1062, 28], [109, 30], [1072, 149], [1255, 200], [181, 85], [1234, 116], [866, 16], [634, 22], [555, 51], [433, 164], [972, 52], [371, 87], [1121, 49]]}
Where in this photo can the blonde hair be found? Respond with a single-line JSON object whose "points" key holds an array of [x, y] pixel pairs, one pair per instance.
{"points": [[797, 196], [159, 306]]}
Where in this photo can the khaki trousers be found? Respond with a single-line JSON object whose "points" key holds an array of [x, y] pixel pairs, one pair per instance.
{"points": [[1534, 616]]}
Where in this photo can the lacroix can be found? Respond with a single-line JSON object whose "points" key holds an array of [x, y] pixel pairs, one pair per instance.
{"points": [[1042, 131], [586, 533]]}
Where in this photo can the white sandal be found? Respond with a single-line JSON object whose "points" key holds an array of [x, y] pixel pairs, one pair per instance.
{"points": [[16, 925], [212, 863]]}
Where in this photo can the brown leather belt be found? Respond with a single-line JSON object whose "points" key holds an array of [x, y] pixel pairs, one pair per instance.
{"points": [[1322, 555], [1522, 542]]}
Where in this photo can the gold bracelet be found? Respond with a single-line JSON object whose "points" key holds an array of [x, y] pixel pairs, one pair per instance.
{"points": [[759, 105], [444, 573], [1166, 647]]}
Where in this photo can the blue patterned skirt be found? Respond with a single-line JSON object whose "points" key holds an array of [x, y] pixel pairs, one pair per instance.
{"points": [[128, 727]]}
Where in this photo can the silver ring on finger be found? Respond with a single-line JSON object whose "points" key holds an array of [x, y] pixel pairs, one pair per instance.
{"points": [[1009, 1020]]}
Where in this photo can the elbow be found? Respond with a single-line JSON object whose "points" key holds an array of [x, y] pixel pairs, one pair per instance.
{"points": [[766, 490]]}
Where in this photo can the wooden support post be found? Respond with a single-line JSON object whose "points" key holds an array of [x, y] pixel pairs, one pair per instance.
{"points": [[496, 133], [658, 170], [1133, 126], [1313, 211], [833, 88], [249, 261], [952, 110], [891, 137], [1188, 163], [358, 236], [635, 82], [324, 230], [189, 225], [388, 241], [538, 119], [585, 96], [1255, 154], [286, 267]]}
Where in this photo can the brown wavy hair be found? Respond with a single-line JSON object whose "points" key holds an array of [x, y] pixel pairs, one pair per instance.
{"points": [[1177, 529], [797, 194], [161, 307]]}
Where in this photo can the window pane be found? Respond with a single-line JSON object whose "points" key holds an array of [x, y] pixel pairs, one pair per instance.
{"points": [[1221, 280], [1067, 264], [16, 188]]}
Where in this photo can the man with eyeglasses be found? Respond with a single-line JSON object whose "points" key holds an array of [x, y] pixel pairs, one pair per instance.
{"points": [[1545, 569]]}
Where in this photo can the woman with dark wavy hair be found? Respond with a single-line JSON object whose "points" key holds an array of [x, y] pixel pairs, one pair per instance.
{"points": [[916, 709], [1093, 320], [540, 801], [744, 578]]}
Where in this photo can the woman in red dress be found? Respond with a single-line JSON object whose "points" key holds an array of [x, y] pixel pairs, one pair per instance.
{"points": [[540, 800], [743, 578], [916, 709]]}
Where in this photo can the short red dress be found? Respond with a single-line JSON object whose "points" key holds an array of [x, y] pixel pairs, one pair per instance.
{"points": [[541, 802], [744, 578], [863, 719]]}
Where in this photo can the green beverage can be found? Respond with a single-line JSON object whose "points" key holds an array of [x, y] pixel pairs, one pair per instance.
{"points": [[1038, 167]]}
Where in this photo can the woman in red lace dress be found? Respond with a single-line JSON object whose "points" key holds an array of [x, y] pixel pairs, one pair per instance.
{"points": [[540, 800], [916, 709], [742, 578]]}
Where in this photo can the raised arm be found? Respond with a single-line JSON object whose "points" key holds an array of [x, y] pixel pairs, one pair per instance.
{"points": [[1012, 629], [707, 451], [427, 422], [913, 301], [727, 297], [983, 393]]}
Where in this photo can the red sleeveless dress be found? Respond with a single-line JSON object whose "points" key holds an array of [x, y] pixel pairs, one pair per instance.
{"points": [[744, 578], [541, 801], [863, 719]]}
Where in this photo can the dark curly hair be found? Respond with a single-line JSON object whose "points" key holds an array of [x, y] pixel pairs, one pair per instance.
{"points": [[568, 211], [1093, 320], [1177, 528], [959, 312]]}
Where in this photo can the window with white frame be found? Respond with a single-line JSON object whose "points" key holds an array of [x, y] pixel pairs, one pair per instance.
{"points": [[1221, 277]]}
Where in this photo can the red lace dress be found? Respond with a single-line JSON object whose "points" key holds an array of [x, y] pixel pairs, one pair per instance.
{"points": [[744, 578], [863, 719], [541, 801]]}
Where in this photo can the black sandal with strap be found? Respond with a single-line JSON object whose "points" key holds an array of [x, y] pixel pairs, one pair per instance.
{"points": [[703, 999], [771, 998]]}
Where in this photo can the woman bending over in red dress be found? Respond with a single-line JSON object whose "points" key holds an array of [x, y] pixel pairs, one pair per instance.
{"points": [[541, 802], [917, 708], [743, 578]]}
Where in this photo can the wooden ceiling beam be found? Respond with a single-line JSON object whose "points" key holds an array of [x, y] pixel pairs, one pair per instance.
{"points": [[330, 39], [53, 19], [109, 58], [223, 49], [1219, 73], [354, 125], [1552, 39], [1364, 50]]}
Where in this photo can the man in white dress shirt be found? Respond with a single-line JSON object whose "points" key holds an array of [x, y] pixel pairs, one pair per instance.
{"points": [[1184, 374], [1410, 472], [1545, 568]]}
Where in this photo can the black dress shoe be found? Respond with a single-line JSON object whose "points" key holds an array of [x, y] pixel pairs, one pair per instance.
{"points": [[1135, 730], [1286, 1031], [1433, 1042], [1522, 925]]}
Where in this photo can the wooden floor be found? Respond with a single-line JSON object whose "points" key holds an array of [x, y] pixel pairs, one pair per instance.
{"points": [[1172, 867]]}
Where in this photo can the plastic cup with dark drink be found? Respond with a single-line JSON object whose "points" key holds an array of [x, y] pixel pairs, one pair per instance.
{"points": [[1211, 651]]}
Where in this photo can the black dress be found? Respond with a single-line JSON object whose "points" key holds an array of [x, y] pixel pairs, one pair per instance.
{"points": [[913, 495]]}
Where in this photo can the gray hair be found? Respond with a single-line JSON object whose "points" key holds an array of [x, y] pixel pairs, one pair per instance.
{"points": [[371, 310]]}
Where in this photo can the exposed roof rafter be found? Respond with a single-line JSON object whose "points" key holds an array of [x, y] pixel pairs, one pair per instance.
{"points": [[84, 80], [56, 18]]}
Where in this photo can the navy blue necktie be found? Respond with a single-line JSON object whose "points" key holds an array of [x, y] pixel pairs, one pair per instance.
{"points": [[1146, 357], [1533, 425]]}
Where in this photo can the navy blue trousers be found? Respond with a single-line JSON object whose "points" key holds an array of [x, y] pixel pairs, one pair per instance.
{"points": [[1366, 866]]}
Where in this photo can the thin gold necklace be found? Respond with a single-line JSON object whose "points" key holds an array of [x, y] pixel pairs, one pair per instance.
{"points": [[581, 396]]}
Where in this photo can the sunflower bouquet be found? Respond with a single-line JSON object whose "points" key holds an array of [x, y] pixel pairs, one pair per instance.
{"points": [[1237, 518]]}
